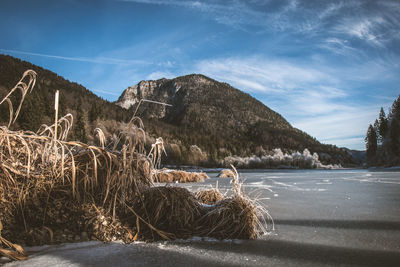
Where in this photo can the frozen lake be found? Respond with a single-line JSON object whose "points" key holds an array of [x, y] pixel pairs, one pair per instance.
{"points": [[322, 218]]}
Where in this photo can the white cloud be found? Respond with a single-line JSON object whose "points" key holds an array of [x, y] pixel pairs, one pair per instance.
{"points": [[340, 46], [262, 75], [160, 74], [364, 29], [330, 10], [376, 26]]}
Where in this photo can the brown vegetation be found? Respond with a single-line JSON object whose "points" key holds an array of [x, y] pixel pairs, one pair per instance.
{"points": [[170, 176], [209, 196], [225, 173]]}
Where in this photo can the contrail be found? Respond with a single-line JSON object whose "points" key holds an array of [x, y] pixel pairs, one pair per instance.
{"points": [[99, 60]]}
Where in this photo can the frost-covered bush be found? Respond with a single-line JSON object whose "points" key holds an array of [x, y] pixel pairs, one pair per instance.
{"points": [[304, 160]]}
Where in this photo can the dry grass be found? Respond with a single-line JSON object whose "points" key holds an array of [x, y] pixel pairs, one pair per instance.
{"points": [[209, 196], [24, 85], [174, 210], [234, 217], [178, 214], [53, 190], [170, 176], [225, 173]]}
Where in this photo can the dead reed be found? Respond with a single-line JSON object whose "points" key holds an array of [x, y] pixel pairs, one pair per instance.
{"points": [[209, 196], [225, 173], [170, 176], [173, 210]]}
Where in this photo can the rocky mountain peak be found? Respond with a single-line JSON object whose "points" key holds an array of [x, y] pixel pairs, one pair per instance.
{"points": [[162, 89]]}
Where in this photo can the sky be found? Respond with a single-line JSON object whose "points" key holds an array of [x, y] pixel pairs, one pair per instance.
{"points": [[326, 66]]}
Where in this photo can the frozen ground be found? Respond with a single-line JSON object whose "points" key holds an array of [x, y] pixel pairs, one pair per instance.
{"points": [[322, 218]]}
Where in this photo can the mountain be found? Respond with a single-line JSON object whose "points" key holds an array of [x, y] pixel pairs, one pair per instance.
{"points": [[220, 120]]}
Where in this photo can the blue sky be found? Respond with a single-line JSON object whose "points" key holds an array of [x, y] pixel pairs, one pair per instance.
{"points": [[326, 66]]}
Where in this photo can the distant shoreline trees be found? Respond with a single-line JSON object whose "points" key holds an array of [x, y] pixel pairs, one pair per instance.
{"points": [[383, 138]]}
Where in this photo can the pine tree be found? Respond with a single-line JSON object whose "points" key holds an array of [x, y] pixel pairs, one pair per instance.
{"points": [[371, 145], [93, 112], [383, 124], [394, 132], [376, 128], [395, 111]]}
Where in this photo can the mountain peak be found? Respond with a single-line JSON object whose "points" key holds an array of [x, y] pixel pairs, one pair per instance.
{"points": [[197, 94], [163, 88]]}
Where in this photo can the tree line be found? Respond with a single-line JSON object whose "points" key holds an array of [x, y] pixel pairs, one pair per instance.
{"points": [[383, 138]]}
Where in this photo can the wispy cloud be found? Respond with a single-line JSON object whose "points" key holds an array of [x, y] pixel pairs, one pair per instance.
{"points": [[97, 60], [160, 74], [363, 29], [375, 22], [330, 10], [234, 13], [340, 46], [262, 75]]}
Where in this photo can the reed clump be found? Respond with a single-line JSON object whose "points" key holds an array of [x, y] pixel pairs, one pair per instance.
{"points": [[53, 190], [225, 173], [170, 176], [173, 210], [209, 196], [178, 213], [233, 217]]}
